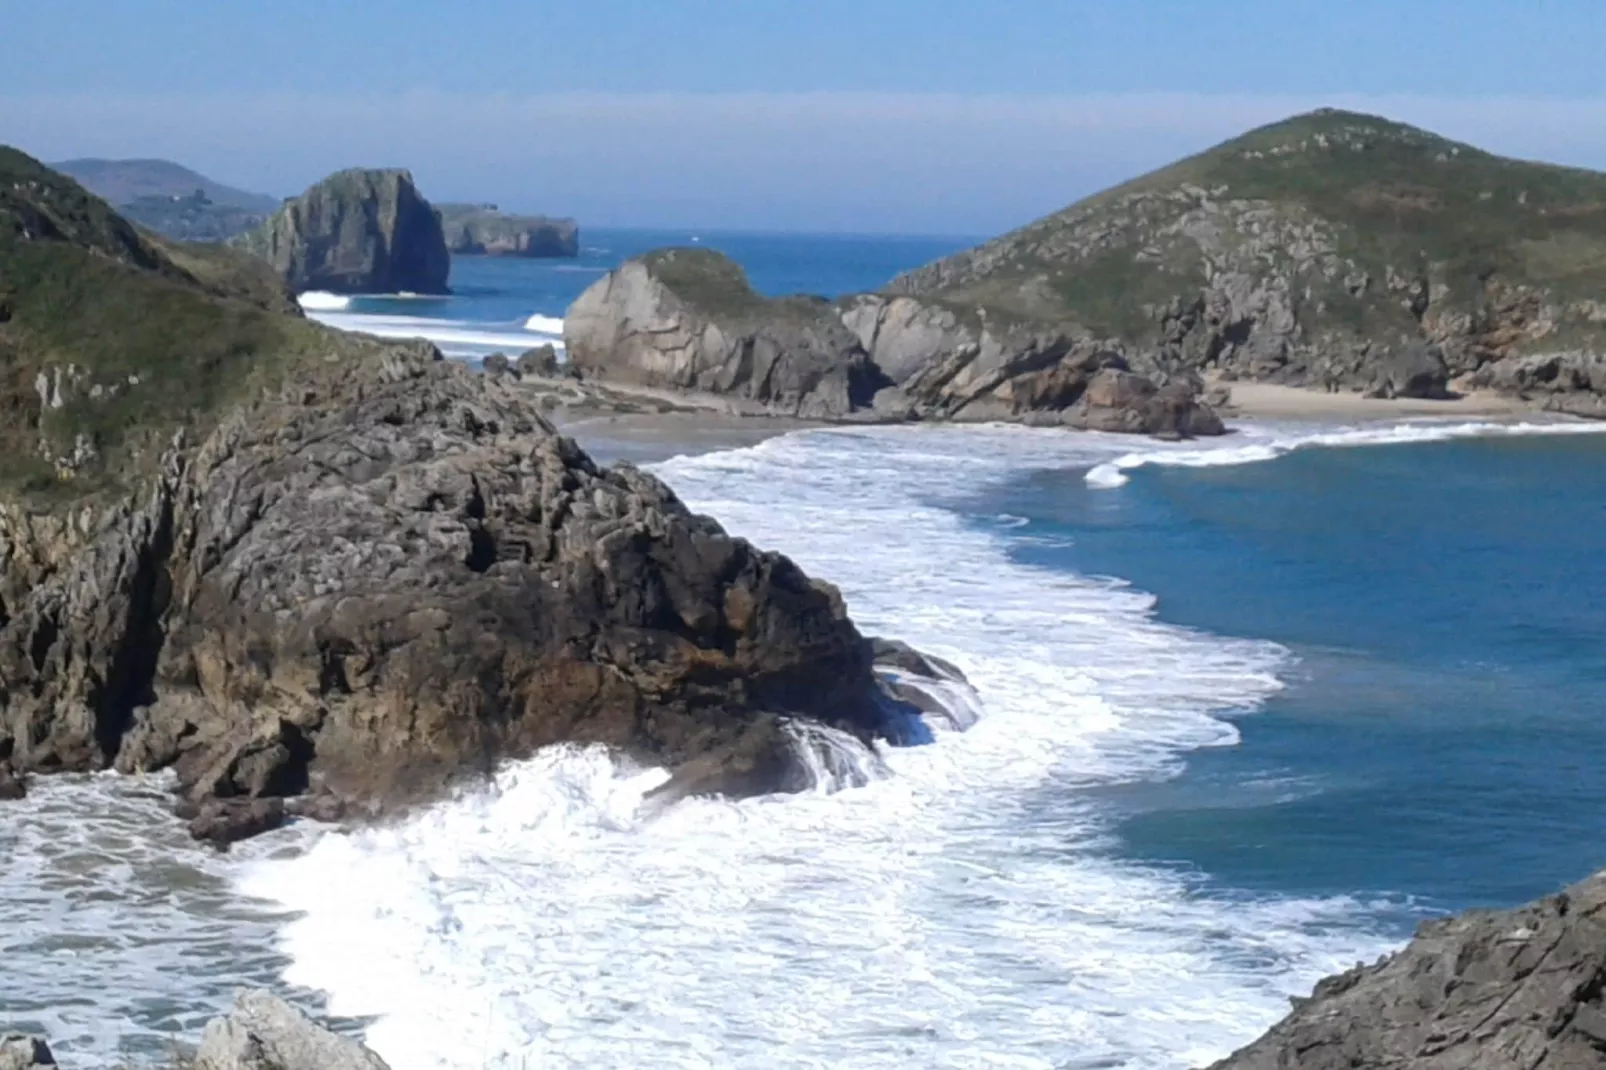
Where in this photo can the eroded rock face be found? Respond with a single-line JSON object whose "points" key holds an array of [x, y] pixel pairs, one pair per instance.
{"points": [[263, 1032], [949, 365], [686, 319], [357, 231], [395, 576], [483, 230], [1488, 990]]}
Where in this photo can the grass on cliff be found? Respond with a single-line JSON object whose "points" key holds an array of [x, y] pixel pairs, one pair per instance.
{"points": [[169, 333], [712, 282], [1394, 196]]}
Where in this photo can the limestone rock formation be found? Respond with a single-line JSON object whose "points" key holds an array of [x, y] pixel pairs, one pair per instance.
{"points": [[957, 365], [482, 230], [1488, 990], [1320, 251], [357, 231], [686, 319], [295, 564], [263, 1032]]}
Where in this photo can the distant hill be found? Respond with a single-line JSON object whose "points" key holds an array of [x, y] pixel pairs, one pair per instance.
{"points": [[120, 182], [1303, 251]]}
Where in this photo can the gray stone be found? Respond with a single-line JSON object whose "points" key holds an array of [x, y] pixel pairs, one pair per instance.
{"points": [[1488, 990], [356, 232], [540, 362], [686, 319], [263, 1032], [496, 364]]}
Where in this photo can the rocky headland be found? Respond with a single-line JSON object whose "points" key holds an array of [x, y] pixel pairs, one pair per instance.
{"points": [[357, 231], [484, 230], [1333, 251], [318, 573], [687, 320], [1488, 990]]}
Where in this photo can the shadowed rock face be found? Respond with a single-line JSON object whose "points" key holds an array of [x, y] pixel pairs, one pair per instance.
{"points": [[356, 231], [380, 581], [1488, 990], [686, 319], [482, 230]]}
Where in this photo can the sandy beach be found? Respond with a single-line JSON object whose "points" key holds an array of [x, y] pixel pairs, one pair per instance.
{"points": [[648, 437], [1273, 402]]}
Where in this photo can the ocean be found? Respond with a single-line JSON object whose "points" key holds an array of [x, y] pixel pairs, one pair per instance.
{"points": [[1249, 709]]}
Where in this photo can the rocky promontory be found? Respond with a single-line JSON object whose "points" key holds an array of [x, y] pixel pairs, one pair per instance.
{"points": [[316, 571], [1487, 990], [687, 319], [483, 230], [357, 231], [1333, 250]]}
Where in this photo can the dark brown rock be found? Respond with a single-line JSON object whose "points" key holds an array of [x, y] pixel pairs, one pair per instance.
{"points": [[1117, 400], [12, 786], [225, 821], [1488, 990], [387, 579], [24, 1053]]}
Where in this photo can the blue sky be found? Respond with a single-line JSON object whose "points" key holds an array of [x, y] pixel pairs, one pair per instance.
{"points": [[882, 115]]}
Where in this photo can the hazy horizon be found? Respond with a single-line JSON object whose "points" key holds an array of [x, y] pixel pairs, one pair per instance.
{"points": [[935, 119]]}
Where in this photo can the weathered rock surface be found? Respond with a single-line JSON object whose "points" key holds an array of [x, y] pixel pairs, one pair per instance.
{"points": [[1118, 400], [263, 1032], [24, 1053], [482, 230], [686, 319], [373, 584], [1561, 382], [12, 786], [1488, 990], [1331, 250], [357, 231]]}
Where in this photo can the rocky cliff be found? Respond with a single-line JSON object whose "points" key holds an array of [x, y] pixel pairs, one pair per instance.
{"points": [[1333, 249], [687, 319], [482, 230], [357, 231], [1488, 990], [290, 562]]}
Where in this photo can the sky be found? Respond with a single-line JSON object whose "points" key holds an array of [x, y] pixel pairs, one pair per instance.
{"points": [[878, 116]]}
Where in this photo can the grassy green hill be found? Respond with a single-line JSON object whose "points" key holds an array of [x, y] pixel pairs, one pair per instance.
{"points": [[1284, 253], [112, 339]]}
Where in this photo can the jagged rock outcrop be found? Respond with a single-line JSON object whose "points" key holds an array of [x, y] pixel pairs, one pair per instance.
{"points": [[295, 564], [357, 231], [366, 587], [24, 1053], [482, 230], [1561, 382], [1487, 990], [686, 319], [952, 365], [1330, 250], [262, 1032]]}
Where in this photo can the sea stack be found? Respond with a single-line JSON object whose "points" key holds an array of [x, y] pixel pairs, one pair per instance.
{"points": [[357, 231]]}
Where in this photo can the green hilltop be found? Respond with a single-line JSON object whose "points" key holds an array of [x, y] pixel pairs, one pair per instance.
{"points": [[112, 339], [1353, 227]]}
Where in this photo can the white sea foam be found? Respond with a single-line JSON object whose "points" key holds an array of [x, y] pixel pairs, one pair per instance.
{"points": [[1269, 441], [552, 325], [319, 301], [454, 337], [962, 908]]}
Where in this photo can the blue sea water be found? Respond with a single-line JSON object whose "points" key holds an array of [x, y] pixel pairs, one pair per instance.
{"points": [[494, 298], [1441, 734], [1247, 714]]}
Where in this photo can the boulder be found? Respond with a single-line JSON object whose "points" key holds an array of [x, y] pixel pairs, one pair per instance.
{"points": [[483, 230], [385, 579], [1487, 990], [357, 231], [496, 364], [263, 1032], [1118, 400], [24, 1053], [12, 785], [221, 822], [686, 319], [1417, 370], [540, 362]]}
